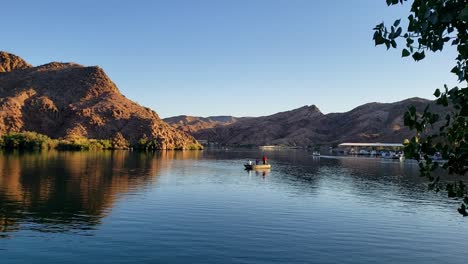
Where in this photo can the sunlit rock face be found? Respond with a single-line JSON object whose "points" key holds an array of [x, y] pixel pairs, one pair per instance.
{"points": [[68, 99], [10, 62]]}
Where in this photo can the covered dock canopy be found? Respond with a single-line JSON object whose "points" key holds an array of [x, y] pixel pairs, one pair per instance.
{"points": [[383, 145]]}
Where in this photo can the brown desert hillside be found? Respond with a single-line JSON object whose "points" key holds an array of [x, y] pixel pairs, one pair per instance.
{"points": [[71, 100], [10, 62], [372, 122], [192, 124]]}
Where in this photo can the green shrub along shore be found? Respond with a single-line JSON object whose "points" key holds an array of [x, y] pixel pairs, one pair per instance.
{"points": [[36, 141]]}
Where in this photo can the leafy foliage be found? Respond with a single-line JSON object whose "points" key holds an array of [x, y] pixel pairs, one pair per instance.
{"points": [[433, 24], [158, 143], [26, 140], [35, 141], [84, 144]]}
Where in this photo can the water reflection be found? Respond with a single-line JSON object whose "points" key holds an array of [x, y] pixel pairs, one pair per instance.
{"points": [[377, 180], [71, 191], [203, 207], [260, 173]]}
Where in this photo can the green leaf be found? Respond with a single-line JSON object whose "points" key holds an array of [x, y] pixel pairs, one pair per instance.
{"points": [[378, 39], [437, 93], [396, 23], [463, 49], [412, 110], [463, 14], [433, 18], [447, 17], [417, 56], [398, 32], [405, 53]]}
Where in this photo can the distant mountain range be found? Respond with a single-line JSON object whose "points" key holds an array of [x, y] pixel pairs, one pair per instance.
{"points": [[192, 124], [305, 126], [64, 100], [70, 100]]}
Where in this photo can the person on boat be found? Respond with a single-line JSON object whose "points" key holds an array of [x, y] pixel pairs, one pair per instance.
{"points": [[250, 162], [264, 159], [256, 161]]}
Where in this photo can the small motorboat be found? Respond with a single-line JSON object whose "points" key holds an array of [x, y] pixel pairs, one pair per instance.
{"points": [[393, 155], [257, 167], [316, 153]]}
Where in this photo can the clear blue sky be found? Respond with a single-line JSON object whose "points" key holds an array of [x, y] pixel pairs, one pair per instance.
{"points": [[239, 57]]}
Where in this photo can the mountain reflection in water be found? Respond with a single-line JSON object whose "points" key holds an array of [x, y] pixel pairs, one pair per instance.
{"points": [[71, 191], [203, 207]]}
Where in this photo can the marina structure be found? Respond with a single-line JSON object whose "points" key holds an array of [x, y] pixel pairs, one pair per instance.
{"points": [[369, 148]]}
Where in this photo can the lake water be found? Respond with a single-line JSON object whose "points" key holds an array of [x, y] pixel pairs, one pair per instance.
{"points": [[202, 207]]}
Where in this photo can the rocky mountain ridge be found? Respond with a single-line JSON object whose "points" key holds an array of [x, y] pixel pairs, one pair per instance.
{"points": [[10, 62], [305, 126], [63, 100], [192, 124]]}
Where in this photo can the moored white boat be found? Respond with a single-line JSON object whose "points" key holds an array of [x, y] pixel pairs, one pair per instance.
{"points": [[393, 155], [364, 152]]}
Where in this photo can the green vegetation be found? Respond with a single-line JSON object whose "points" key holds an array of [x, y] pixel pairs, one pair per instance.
{"points": [[156, 144], [84, 144], [194, 147], [146, 144], [36, 141], [27, 140], [432, 25]]}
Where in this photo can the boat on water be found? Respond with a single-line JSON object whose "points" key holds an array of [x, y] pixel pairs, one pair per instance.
{"points": [[315, 153], [257, 167], [392, 155], [364, 152]]}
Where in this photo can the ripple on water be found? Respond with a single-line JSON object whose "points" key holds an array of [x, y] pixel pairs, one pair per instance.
{"points": [[184, 207]]}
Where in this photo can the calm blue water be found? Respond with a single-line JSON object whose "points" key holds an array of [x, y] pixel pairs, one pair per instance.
{"points": [[202, 207]]}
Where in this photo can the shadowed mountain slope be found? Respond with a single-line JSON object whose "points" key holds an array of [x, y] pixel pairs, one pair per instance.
{"points": [[372, 122], [191, 124]]}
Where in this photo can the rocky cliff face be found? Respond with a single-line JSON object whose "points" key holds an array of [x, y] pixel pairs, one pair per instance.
{"points": [[373, 122], [10, 62], [192, 124], [68, 100]]}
